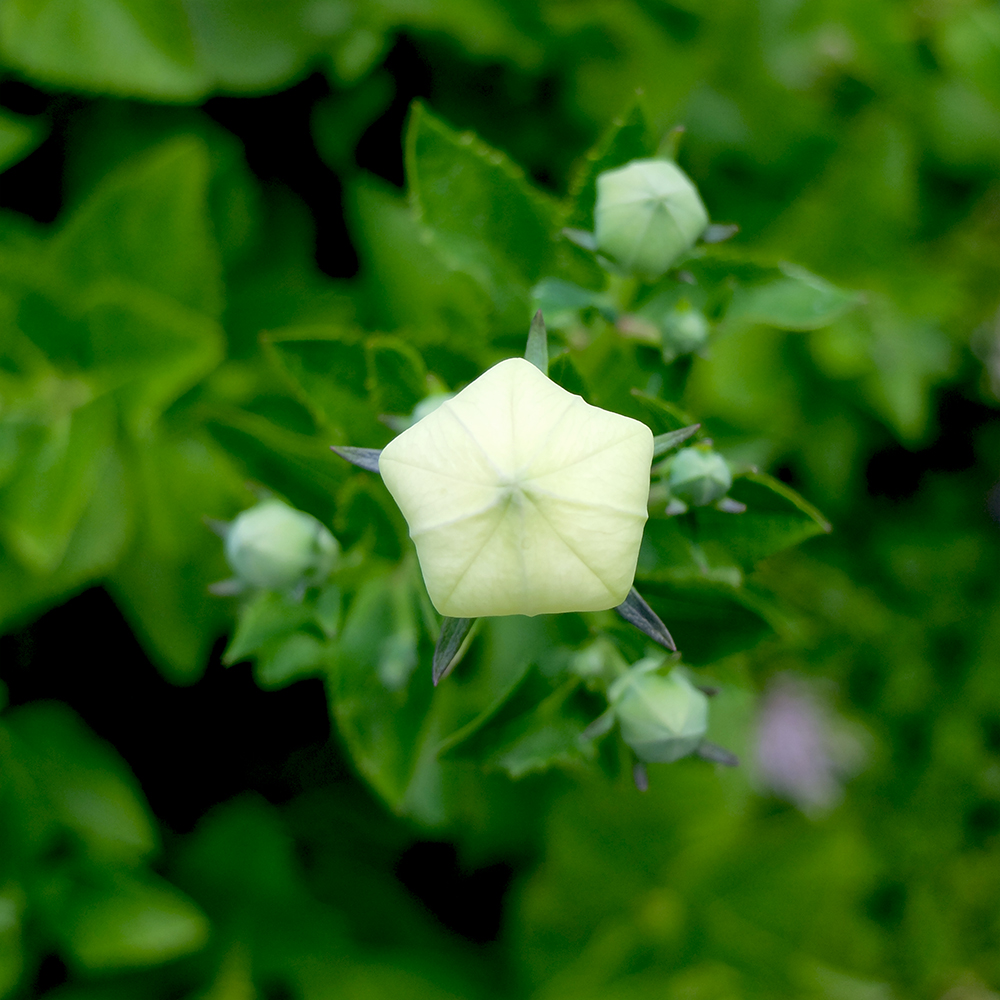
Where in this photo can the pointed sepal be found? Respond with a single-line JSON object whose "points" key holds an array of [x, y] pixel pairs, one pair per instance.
{"points": [[729, 506], [581, 237], [601, 725], [719, 232], [221, 528], [638, 613], [716, 754], [537, 351], [662, 443], [640, 776], [454, 632], [363, 458]]}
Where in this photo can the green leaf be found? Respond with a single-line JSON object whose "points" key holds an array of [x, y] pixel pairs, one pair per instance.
{"points": [[130, 923], [380, 726], [563, 372], [253, 47], [153, 349], [397, 376], [897, 361], [670, 554], [18, 137], [98, 541], [663, 443], [132, 48], [299, 466], [627, 139], [665, 418], [328, 370], [90, 787], [162, 583], [327, 609], [531, 731], [796, 300], [395, 736], [11, 952], [289, 659], [337, 122], [407, 282], [776, 518], [554, 297], [482, 215], [709, 619], [56, 477], [147, 223], [269, 615]]}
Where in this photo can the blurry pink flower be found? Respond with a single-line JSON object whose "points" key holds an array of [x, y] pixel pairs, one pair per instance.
{"points": [[803, 751]]}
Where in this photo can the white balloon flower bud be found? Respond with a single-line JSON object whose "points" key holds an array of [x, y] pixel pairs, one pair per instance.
{"points": [[275, 547], [662, 718], [647, 214], [521, 498]]}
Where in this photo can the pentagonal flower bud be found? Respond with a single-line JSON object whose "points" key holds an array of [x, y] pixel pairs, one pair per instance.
{"points": [[275, 547], [647, 214], [521, 498], [662, 718], [699, 476]]}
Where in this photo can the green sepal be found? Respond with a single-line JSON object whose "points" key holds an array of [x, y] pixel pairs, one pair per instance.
{"points": [[537, 349]]}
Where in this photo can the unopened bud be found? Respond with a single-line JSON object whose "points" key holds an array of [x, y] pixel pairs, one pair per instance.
{"points": [[684, 330], [662, 718], [275, 547], [699, 476], [648, 213]]}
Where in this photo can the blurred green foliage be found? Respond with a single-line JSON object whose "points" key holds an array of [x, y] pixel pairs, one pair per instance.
{"points": [[170, 338]]}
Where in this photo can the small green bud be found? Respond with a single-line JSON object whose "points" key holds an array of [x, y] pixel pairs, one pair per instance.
{"points": [[662, 718], [699, 476], [647, 214], [685, 330], [275, 547]]}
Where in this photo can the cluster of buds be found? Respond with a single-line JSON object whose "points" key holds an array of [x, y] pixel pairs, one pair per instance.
{"points": [[522, 498]]}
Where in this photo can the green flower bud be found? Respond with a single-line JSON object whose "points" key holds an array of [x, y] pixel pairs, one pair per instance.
{"points": [[684, 330], [699, 476], [275, 547], [662, 718], [647, 214]]}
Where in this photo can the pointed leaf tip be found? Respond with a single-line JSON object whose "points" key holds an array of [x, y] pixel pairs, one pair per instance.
{"points": [[221, 528], [638, 613], [454, 632], [601, 725], [537, 351], [719, 233], [716, 754], [363, 458]]}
